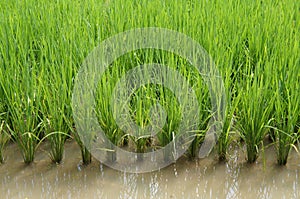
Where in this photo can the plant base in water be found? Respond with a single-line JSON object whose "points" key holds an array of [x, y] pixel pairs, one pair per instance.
{"points": [[283, 153], [252, 154], [57, 149], [222, 157], [86, 156]]}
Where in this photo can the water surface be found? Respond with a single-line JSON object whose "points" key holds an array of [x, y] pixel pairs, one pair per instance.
{"points": [[205, 178]]}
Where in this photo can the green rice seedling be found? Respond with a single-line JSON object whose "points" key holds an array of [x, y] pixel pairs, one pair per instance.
{"points": [[24, 122], [56, 110], [26, 140], [204, 108], [254, 112], [83, 140], [230, 68], [287, 108], [254, 116], [57, 141], [55, 128], [85, 153], [227, 135], [286, 86], [25, 127], [105, 112], [141, 103], [286, 133], [20, 79]]}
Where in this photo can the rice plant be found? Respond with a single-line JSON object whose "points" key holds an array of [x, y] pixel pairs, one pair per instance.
{"points": [[56, 109], [24, 122], [205, 113], [254, 113], [141, 103], [286, 130], [287, 106], [231, 77], [228, 136], [85, 153], [106, 110]]}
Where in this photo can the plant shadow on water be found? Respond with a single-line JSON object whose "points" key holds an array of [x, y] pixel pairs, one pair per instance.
{"points": [[204, 178]]}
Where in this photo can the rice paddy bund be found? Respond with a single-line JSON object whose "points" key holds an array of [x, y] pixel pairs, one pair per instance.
{"points": [[254, 44]]}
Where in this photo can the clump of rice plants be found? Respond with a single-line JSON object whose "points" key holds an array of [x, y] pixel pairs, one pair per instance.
{"points": [[254, 117], [254, 112], [287, 108], [173, 117], [24, 122], [286, 131], [25, 131], [25, 127], [227, 136], [85, 153], [105, 111], [204, 108], [141, 102], [56, 109], [56, 132]]}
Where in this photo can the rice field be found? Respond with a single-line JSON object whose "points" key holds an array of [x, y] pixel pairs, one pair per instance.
{"points": [[254, 44]]}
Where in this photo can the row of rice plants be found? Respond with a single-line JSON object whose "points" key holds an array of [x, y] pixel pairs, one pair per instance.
{"points": [[43, 45]]}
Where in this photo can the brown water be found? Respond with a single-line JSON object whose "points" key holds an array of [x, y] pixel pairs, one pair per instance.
{"points": [[205, 178]]}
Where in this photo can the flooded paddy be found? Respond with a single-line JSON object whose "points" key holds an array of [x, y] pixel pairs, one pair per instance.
{"points": [[252, 45], [202, 178]]}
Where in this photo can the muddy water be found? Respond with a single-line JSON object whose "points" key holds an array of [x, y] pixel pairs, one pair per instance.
{"points": [[205, 178]]}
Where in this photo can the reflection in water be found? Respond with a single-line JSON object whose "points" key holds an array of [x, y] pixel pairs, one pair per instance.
{"points": [[205, 178]]}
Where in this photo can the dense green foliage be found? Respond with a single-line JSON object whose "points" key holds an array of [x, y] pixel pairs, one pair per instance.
{"points": [[255, 45]]}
